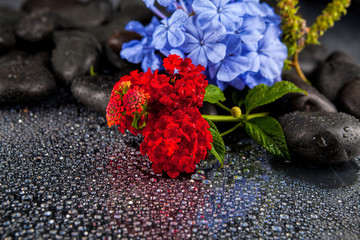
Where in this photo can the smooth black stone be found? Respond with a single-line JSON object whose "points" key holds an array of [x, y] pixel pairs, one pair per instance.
{"points": [[94, 91], [33, 5], [321, 138], [7, 38], [92, 13], [37, 25], [9, 17], [310, 58], [332, 75], [25, 81], [348, 99], [129, 10], [338, 56], [74, 54]]}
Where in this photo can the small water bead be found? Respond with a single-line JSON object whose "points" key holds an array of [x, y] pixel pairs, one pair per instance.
{"points": [[198, 177]]}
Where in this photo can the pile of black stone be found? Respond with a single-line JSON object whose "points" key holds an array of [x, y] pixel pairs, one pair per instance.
{"points": [[55, 43], [50, 44], [322, 127]]}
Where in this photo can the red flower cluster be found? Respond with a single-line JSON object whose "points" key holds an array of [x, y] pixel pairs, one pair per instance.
{"points": [[165, 109]]}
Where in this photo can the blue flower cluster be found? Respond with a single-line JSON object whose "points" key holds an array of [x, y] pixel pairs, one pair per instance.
{"points": [[237, 41]]}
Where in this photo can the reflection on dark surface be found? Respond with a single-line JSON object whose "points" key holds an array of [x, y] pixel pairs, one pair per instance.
{"points": [[330, 176], [144, 204], [65, 174]]}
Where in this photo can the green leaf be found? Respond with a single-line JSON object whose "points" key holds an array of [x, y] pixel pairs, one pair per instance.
{"points": [[213, 94], [267, 132], [262, 94], [218, 145]]}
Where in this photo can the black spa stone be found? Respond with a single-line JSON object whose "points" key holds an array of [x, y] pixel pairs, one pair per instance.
{"points": [[332, 75], [321, 138], [74, 54], [87, 14], [25, 81], [94, 91], [348, 99], [37, 25], [7, 38]]}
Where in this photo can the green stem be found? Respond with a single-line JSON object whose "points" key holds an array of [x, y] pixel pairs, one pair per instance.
{"points": [[223, 106], [256, 115], [231, 129], [298, 69], [221, 118]]}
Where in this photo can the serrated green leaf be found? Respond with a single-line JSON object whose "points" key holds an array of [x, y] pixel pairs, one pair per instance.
{"points": [[262, 94], [267, 132], [213, 94], [218, 145]]}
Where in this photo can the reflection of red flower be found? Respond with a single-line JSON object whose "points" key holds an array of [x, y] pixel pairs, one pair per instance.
{"points": [[175, 142], [176, 135]]}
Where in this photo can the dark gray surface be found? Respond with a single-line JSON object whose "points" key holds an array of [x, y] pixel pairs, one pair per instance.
{"points": [[65, 174]]}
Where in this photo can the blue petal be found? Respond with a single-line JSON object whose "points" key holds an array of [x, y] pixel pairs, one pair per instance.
{"points": [[193, 28], [149, 3], [151, 60], [200, 6], [233, 43], [213, 69], [198, 56], [190, 43], [178, 18], [132, 51], [150, 28], [238, 83], [268, 67], [135, 26], [214, 32], [215, 52], [176, 37], [159, 37], [165, 3], [177, 52], [233, 66], [205, 18]]}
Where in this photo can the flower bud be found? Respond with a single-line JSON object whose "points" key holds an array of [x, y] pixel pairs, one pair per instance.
{"points": [[235, 112]]}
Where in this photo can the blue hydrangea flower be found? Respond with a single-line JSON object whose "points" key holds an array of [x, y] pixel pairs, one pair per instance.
{"points": [[137, 51], [171, 30], [220, 10], [268, 56], [203, 45]]}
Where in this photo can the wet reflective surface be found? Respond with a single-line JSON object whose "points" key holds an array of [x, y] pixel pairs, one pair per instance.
{"points": [[65, 174]]}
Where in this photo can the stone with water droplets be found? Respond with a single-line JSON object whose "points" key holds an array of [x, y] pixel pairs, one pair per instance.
{"points": [[348, 98], [74, 54], [94, 91], [321, 138], [37, 25], [24, 81]]}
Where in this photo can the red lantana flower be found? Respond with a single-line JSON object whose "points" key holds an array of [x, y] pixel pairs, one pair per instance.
{"points": [[176, 141], [164, 108]]}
